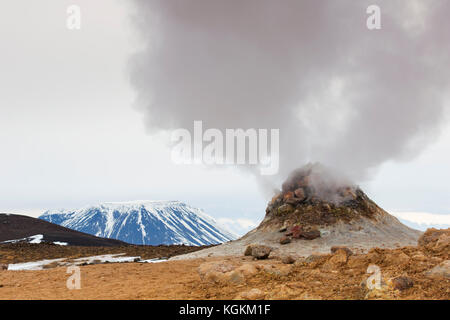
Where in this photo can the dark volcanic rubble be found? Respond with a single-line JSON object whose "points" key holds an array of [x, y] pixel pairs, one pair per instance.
{"points": [[312, 197]]}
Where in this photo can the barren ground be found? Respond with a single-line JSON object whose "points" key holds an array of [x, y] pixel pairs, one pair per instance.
{"points": [[25, 252], [319, 279]]}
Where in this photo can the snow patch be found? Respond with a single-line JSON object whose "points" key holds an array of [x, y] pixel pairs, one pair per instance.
{"points": [[32, 239]]}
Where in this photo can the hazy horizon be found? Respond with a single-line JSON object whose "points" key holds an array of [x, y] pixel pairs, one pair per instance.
{"points": [[73, 134]]}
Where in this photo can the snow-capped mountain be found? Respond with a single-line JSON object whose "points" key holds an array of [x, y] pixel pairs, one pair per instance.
{"points": [[144, 222]]}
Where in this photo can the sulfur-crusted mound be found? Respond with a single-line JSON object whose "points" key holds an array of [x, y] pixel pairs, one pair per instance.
{"points": [[315, 210], [313, 196]]}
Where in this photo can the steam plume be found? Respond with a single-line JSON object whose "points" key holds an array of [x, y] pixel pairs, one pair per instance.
{"points": [[339, 93]]}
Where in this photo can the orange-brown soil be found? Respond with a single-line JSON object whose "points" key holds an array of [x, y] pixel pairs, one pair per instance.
{"points": [[324, 277]]}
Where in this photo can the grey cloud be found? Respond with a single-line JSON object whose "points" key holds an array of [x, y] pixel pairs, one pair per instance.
{"points": [[340, 94]]}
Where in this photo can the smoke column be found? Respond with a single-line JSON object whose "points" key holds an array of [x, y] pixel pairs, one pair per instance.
{"points": [[340, 94]]}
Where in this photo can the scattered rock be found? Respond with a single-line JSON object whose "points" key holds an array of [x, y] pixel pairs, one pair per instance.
{"points": [[261, 252], [402, 283], [295, 232], [287, 260], [336, 248], [285, 240], [283, 228], [248, 250], [253, 294], [3, 267], [311, 234], [441, 270]]}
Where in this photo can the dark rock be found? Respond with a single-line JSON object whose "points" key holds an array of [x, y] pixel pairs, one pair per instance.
{"points": [[310, 235], [248, 250], [285, 240], [295, 232], [261, 252], [288, 260], [402, 283]]}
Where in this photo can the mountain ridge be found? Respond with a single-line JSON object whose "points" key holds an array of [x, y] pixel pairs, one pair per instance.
{"points": [[150, 222], [16, 228]]}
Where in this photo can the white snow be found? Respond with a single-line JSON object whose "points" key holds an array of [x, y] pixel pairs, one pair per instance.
{"points": [[153, 260], [32, 239], [35, 265], [62, 262], [118, 257], [59, 243]]}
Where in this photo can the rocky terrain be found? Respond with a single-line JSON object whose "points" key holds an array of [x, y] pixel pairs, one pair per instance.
{"points": [[321, 238], [412, 272], [316, 210]]}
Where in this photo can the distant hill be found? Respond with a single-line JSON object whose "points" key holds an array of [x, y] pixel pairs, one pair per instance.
{"points": [[144, 222], [18, 227]]}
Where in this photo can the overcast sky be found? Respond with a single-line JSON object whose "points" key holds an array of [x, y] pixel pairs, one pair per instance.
{"points": [[70, 136]]}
